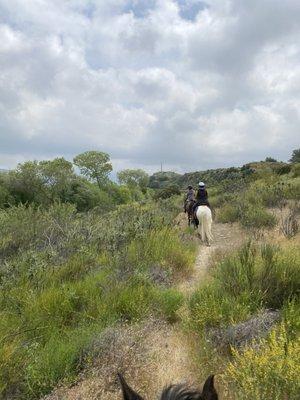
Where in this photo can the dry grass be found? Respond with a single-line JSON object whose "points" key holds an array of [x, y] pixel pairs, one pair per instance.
{"points": [[151, 355]]}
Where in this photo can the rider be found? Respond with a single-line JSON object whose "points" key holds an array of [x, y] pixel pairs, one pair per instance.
{"points": [[189, 197], [201, 197]]}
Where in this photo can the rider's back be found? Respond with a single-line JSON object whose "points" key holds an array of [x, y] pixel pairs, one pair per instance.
{"points": [[202, 196], [190, 195]]}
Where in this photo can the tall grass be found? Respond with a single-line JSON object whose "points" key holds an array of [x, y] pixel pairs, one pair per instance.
{"points": [[253, 278], [66, 276]]}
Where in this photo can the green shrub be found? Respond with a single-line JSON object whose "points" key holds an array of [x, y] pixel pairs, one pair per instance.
{"points": [[60, 358], [242, 283], [278, 275], [228, 213], [170, 301], [284, 169], [236, 274], [167, 192], [210, 306], [271, 274], [257, 217], [6, 198], [296, 170], [161, 247], [131, 300], [12, 356]]}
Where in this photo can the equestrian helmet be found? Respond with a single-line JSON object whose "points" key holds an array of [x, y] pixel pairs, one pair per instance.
{"points": [[201, 184]]}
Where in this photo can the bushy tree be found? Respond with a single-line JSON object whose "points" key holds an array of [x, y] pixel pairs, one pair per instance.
{"points": [[167, 192], [40, 182], [25, 183], [295, 156], [95, 165], [56, 176], [133, 178], [270, 159], [5, 197]]}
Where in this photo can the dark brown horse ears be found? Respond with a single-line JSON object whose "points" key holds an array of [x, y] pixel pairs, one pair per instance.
{"points": [[128, 393], [209, 392]]}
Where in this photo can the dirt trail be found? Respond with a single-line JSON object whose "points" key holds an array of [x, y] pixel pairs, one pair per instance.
{"points": [[155, 353]]}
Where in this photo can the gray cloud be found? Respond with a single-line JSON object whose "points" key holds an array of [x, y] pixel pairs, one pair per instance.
{"points": [[189, 83]]}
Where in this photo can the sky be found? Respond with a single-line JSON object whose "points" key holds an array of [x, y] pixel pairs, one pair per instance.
{"points": [[191, 84]]}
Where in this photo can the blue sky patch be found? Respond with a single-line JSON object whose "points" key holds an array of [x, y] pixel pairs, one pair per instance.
{"points": [[140, 8], [189, 9]]}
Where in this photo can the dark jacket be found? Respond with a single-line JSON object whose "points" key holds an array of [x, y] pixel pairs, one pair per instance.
{"points": [[202, 196]]}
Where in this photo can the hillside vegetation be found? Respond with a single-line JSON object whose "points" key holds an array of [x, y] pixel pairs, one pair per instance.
{"points": [[79, 254]]}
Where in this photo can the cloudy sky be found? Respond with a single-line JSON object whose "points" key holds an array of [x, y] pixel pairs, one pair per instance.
{"points": [[190, 83]]}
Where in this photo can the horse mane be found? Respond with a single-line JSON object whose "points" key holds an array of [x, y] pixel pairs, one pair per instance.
{"points": [[180, 392], [175, 392]]}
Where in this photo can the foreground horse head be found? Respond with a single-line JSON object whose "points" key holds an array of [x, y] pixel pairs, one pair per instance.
{"points": [[175, 392]]}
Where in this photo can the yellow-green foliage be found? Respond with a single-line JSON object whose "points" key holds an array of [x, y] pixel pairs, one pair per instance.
{"points": [[271, 371], [211, 306]]}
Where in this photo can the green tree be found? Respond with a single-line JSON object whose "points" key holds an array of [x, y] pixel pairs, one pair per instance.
{"points": [[25, 183], [133, 178], [94, 165], [167, 192], [40, 182], [56, 176], [5, 197], [270, 159], [295, 156]]}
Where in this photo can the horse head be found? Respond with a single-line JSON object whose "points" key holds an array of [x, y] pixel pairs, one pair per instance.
{"points": [[175, 392]]}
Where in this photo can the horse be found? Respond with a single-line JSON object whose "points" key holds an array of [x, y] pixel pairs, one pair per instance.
{"points": [[204, 216], [189, 210], [175, 392]]}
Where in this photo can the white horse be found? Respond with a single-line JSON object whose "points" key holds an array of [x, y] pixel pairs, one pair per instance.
{"points": [[205, 220]]}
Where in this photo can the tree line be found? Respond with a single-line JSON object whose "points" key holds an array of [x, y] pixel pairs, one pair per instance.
{"points": [[45, 182]]}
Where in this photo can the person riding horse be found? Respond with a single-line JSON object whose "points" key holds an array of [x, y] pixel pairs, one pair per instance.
{"points": [[201, 197], [189, 199]]}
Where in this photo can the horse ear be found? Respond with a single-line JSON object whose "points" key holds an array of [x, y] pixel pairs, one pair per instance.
{"points": [[128, 393], [209, 392]]}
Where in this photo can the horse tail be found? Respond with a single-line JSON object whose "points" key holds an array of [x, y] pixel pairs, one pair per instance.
{"points": [[205, 220], [207, 226]]}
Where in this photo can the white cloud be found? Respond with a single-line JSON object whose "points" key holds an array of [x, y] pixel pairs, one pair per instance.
{"points": [[194, 84]]}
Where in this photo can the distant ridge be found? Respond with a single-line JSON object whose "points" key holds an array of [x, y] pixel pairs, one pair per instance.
{"points": [[161, 180]]}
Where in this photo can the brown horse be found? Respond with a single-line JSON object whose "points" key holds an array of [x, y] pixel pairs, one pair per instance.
{"points": [[175, 392], [189, 210]]}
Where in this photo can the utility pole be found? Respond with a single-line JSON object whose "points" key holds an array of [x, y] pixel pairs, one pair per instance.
{"points": [[161, 167]]}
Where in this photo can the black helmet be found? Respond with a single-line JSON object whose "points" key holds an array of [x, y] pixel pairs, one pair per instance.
{"points": [[190, 187]]}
